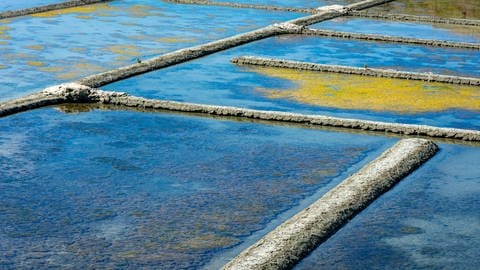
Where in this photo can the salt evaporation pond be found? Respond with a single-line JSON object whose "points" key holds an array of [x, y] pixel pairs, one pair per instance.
{"points": [[288, 3], [465, 9], [431, 220], [9, 5], [447, 32], [441, 8], [121, 189], [214, 80], [59, 46]]}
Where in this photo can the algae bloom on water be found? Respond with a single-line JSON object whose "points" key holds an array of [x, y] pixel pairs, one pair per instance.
{"points": [[371, 93]]}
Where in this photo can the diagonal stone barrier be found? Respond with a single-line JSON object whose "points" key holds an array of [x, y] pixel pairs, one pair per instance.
{"points": [[293, 240]]}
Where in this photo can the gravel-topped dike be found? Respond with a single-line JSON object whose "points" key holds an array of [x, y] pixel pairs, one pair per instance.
{"points": [[76, 93], [297, 237], [373, 72]]}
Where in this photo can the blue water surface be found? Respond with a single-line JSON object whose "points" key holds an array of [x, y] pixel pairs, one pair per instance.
{"points": [[117, 189], [431, 220], [287, 3], [403, 29], [465, 9], [8, 5], [36, 52], [214, 80]]}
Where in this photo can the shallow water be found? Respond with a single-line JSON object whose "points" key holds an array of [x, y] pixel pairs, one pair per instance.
{"points": [[464, 9], [403, 29], [59, 46], [214, 80], [356, 92], [126, 189], [8, 5], [428, 221], [287, 3]]}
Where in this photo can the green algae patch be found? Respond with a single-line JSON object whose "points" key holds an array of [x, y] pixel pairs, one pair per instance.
{"points": [[369, 93]]}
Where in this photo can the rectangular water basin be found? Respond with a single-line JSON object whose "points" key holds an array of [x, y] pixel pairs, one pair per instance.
{"points": [[65, 45], [214, 80], [116, 189]]}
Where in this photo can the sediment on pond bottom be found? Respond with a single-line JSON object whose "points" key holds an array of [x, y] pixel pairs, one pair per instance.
{"points": [[393, 39], [412, 18], [51, 7], [76, 93], [187, 54]]}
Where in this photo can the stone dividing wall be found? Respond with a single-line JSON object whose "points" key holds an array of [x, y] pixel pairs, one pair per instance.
{"points": [[294, 239], [34, 10], [286, 245], [385, 38], [76, 93], [386, 73]]}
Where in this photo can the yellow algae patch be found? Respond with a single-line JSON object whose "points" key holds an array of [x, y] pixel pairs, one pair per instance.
{"points": [[142, 11], [371, 93], [175, 39], [97, 9], [79, 69], [129, 50], [17, 56], [35, 63], [52, 69], [140, 37], [3, 30], [472, 31], [67, 75], [3, 67], [88, 67], [35, 47], [85, 17]]}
